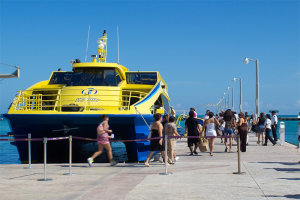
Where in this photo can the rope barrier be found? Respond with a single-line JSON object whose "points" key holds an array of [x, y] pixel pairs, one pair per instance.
{"points": [[97, 139], [34, 139], [12, 135], [45, 140]]}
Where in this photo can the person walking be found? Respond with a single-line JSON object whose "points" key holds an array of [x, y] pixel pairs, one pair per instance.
{"points": [[267, 130], [210, 127], [274, 121], [230, 125], [243, 131], [171, 130], [261, 126], [192, 128], [157, 144], [103, 137]]}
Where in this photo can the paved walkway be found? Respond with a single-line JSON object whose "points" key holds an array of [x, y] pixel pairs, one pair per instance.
{"points": [[271, 172]]}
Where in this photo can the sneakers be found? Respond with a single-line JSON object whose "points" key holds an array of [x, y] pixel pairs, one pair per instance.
{"points": [[90, 161], [113, 163], [177, 158], [195, 152]]}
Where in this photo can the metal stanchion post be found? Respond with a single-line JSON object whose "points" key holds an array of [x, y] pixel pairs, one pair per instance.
{"points": [[29, 151], [70, 156], [239, 155], [166, 156], [45, 162]]}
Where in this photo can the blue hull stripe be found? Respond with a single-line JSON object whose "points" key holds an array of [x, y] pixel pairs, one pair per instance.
{"points": [[154, 91]]}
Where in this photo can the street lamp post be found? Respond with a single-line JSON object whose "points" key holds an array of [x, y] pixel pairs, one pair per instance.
{"points": [[241, 94], [246, 61], [225, 100], [232, 97]]}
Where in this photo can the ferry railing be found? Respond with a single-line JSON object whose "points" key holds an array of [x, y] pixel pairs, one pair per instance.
{"points": [[27, 100]]}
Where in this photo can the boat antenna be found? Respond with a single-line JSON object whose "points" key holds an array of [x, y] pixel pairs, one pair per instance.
{"points": [[118, 44], [87, 44]]}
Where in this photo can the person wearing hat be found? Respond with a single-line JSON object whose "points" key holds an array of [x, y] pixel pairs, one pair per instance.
{"points": [[274, 121]]}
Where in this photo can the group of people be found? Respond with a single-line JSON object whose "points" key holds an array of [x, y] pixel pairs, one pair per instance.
{"points": [[159, 128], [226, 123], [213, 126], [266, 124]]}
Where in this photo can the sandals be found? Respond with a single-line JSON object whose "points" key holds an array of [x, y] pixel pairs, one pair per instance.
{"points": [[147, 164]]}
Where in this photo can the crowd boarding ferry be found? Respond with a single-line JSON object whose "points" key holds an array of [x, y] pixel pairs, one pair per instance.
{"points": [[71, 102]]}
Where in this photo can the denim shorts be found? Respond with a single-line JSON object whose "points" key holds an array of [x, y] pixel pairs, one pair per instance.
{"points": [[261, 128], [228, 131]]}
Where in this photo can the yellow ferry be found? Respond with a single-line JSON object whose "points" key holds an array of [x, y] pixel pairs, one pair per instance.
{"points": [[70, 103]]}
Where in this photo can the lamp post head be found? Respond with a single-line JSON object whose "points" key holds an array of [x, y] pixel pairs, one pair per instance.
{"points": [[246, 60], [228, 88], [234, 79]]}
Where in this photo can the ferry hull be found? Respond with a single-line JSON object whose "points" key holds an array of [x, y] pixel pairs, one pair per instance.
{"points": [[125, 127]]}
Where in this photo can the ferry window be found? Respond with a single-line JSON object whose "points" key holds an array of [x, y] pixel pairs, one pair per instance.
{"points": [[144, 78], [95, 77], [60, 78]]}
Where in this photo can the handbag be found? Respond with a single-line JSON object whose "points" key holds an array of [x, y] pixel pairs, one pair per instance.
{"points": [[203, 144], [254, 128]]}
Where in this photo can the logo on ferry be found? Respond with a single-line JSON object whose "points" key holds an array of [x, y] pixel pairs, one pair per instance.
{"points": [[89, 91]]}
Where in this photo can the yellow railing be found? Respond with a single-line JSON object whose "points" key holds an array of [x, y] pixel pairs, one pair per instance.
{"points": [[52, 99]]}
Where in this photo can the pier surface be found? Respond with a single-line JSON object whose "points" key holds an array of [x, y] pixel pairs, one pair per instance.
{"points": [[271, 172]]}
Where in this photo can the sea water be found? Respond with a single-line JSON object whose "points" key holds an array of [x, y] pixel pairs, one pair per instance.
{"points": [[9, 153]]}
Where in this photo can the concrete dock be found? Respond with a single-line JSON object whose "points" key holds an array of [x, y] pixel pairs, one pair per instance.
{"points": [[271, 172]]}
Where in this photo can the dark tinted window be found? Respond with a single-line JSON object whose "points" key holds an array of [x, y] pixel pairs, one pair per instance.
{"points": [[144, 78], [60, 78], [87, 77]]}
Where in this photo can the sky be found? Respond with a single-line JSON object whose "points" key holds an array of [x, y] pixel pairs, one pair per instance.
{"points": [[197, 46]]}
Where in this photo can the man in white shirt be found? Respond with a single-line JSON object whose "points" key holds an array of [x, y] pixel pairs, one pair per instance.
{"points": [[274, 121]]}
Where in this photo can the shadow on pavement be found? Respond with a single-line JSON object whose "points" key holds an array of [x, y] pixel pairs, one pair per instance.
{"points": [[286, 169], [291, 179], [288, 196], [283, 163]]}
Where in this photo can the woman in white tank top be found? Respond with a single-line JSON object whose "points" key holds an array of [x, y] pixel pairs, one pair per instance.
{"points": [[210, 131]]}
